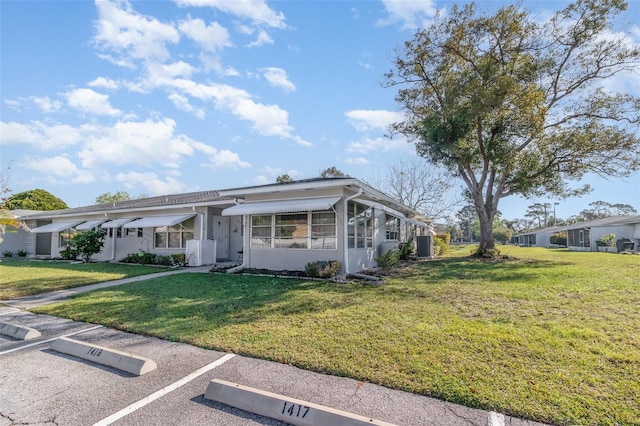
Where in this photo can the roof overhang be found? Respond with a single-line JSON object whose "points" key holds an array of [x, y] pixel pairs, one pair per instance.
{"points": [[55, 227], [282, 206], [90, 224], [116, 223], [157, 221]]}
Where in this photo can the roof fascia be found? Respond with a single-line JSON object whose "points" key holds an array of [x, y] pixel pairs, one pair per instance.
{"points": [[135, 209]]}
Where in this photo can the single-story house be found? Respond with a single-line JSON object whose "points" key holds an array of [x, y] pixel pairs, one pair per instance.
{"points": [[14, 239], [281, 226], [584, 236]]}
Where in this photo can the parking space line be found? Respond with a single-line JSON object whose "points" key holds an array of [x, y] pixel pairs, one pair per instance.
{"points": [[158, 394], [48, 340]]}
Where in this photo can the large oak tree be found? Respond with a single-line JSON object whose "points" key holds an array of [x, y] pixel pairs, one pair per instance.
{"points": [[513, 106]]}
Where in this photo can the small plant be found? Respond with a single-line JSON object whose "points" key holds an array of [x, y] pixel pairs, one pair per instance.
{"points": [[88, 243], [322, 268], [559, 238], [608, 240], [441, 244], [178, 259], [69, 253], [22, 253], [405, 249], [7, 253], [389, 260]]}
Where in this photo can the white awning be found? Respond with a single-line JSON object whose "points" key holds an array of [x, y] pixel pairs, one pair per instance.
{"points": [[281, 206], [379, 206], [55, 227], [90, 224], [116, 223], [156, 221]]}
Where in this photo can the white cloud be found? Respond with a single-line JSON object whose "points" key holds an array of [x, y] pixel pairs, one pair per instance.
{"points": [[212, 37], [262, 39], [256, 10], [130, 35], [89, 101], [57, 168], [381, 144], [144, 143], [221, 159], [358, 161], [182, 103], [47, 105], [277, 77], [44, 136], [152, 184], [410, 14], [14, 104], [262, 180], [104, 83], [363, 120], [268, 120]]}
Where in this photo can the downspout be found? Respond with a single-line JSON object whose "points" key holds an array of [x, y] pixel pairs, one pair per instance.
{"points": [[201, 239], [346, 229]]}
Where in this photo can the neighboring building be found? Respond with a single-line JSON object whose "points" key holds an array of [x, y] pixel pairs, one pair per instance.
{"points": [[583, 236], [280, 226], [15, 240]]}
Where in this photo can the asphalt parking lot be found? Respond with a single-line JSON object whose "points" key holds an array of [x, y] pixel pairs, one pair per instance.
{"points": [[39, 386]]}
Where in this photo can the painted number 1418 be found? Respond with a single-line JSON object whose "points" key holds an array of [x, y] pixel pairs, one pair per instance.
{"points": [[295, 410]]}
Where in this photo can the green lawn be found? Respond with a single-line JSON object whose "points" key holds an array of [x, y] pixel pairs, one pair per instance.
{"points": [[553, 336], [20, 277]]}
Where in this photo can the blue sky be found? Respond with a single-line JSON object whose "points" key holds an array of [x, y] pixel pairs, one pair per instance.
{"points": [[161, 97]]}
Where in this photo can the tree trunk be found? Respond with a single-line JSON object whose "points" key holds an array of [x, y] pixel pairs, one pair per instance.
{"points": [[487, 241]]}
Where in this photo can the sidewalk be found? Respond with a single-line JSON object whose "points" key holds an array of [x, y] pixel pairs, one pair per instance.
{"points": [[28, 302]]}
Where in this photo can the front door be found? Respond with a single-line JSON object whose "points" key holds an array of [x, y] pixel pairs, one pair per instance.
{"points": [[221, 235]]}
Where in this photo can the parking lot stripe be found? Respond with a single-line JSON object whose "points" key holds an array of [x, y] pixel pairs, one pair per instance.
{"points": [[48, 340], [158, 394]]}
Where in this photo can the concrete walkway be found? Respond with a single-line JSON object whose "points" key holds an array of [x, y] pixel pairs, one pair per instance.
{"points": [[28, 302]]}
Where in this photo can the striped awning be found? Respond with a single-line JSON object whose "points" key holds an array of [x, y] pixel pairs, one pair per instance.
{"points": [[282, 206], [156, 221], [55, 227]]}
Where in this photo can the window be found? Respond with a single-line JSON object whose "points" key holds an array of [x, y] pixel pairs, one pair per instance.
{"points": [[323, 230], [174, 236], [261, 231], [315, 230], [392, 227], [360, 226], [65, 236], [133, 232], [291, 230]]}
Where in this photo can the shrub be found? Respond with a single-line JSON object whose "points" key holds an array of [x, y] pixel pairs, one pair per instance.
{"points": [[69, 253], [502, 234], [559, 238], [178, 259], [441, 244], [7, 253], [88, 243], [389, 260], [322, 268], [405, 249], [608, 240], [22, 253]]}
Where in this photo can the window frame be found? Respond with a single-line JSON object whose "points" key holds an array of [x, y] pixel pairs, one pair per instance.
{"points": [[272, 231], [168, 234]]}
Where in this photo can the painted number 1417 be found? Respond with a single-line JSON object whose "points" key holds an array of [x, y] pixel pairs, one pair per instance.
{"points": [[295, 410]]}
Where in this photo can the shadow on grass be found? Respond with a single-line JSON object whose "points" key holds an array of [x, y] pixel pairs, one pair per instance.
{"points": [[24, 277], [170, 307], [469, 269]]}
